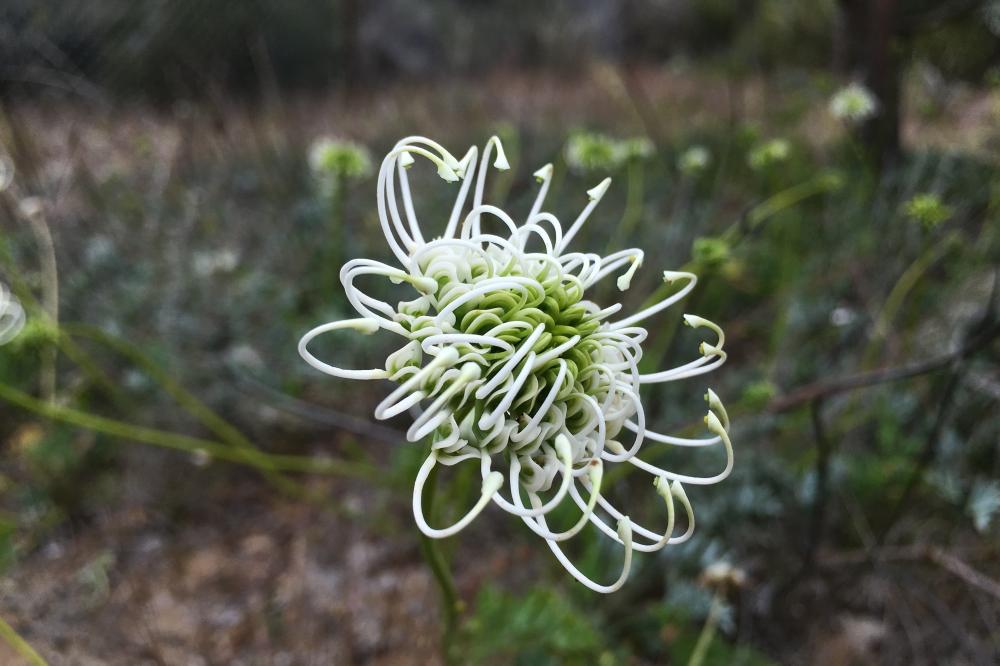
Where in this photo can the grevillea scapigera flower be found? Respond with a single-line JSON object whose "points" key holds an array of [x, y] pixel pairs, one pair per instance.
{"points": [[507, 364], [11, 315]]}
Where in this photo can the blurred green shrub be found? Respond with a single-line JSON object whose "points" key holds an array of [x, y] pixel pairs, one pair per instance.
{"points": [[541, 627]]}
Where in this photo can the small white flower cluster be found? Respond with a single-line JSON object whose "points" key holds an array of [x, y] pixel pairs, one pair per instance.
{"points": [[507, 364], [853, 103], [590, 151], [694, 160], [212, 262], [12, 316], [340, 158]]}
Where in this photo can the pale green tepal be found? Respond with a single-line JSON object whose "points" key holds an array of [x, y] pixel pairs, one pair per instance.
{"points": [[508, 365]]}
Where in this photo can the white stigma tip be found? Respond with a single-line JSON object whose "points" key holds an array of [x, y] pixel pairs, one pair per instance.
{"points": [[563, 447], [595, 193], [427, 285], [500, 162], [625, 530], [463, 166], [492, 483], [366, 326], [662, 486], [673, 276], [544, 173], [406, 160], [447, 173], [713, 423], [448, 356]]}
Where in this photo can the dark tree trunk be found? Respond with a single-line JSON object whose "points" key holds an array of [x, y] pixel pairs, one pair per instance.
{"points": [[869, 47], [350, 42]]}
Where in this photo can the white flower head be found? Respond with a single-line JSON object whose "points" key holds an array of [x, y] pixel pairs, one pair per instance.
{"points": [[213, 262], [507, 364], [769, 153], [339, 157], [12, 315], [853, 103], [694, 160]]}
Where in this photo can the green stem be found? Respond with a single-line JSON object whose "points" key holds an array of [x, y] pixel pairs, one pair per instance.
{"points": [[50, 298], [195, 407], [191, 404], [707, 632], [451, 604], [337, 237], [21, 646], [251, 457], [633, 207], [894, 301]]}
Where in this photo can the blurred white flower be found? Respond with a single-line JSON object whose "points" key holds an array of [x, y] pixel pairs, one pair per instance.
{"points": [[591, 151], [98, 249], [207, 264], [853, 103], [245, 356], [723, 575], [694, 160], [6, 172], [340, 158], [12, 315], [842, 316], [510, 366], [984, 503], [769, 153]]}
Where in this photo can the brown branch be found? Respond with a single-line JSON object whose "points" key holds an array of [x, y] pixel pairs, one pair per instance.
{"points": [[820, 502], [929, 451], [947, 561], [818, 390]]}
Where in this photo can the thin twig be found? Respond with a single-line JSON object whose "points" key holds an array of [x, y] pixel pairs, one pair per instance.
{"points": [[50, 295], [818, 523], [251, 457], [923, 552], [315, 413], [929, 451], [810, 392], [21, 646]]}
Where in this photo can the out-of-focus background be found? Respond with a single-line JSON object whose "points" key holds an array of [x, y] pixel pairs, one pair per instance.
{"points": [[178, 194]]}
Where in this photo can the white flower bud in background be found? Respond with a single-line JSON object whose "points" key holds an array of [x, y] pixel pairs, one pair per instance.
{"points": [[694, 160], [338, 157], [209, 263], [853, 104], [588, 152], [724, 576], [768, 154]]}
